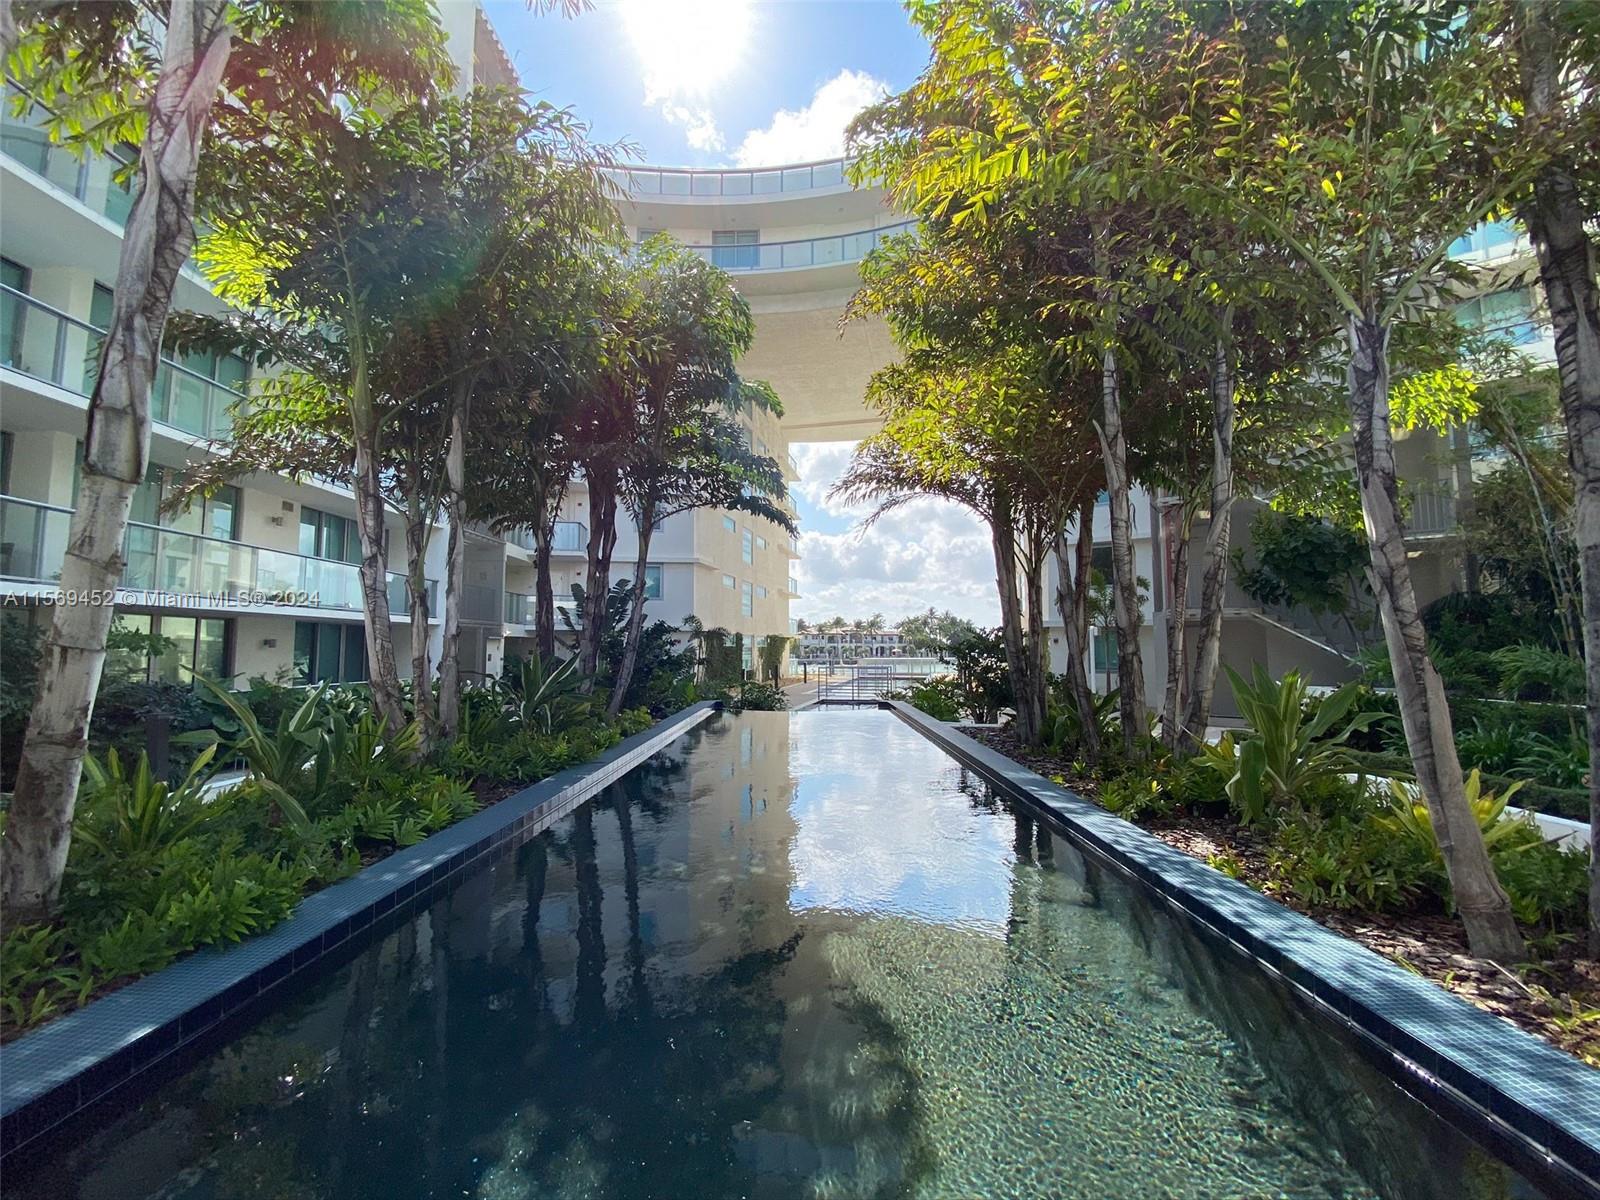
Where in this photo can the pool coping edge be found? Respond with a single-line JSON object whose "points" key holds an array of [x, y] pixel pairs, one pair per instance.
{"points": [[1504, 1079], [50, 1075]]}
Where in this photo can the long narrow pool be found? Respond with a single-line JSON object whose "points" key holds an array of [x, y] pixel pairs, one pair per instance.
{"points": [[798, 955]]}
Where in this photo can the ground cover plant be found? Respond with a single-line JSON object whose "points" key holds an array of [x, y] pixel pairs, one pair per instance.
{"points": [[161, 867]]}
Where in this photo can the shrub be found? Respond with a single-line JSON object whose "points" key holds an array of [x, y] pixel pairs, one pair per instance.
{"points": [[755, 697], [123, 815], [1346, 860], [1536, 673], [1137, 797], [1064, 727], [940, 697], [1285, 752]]}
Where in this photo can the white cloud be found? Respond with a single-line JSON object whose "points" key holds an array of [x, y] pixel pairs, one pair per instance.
{"points": [[685, 49], [928, 552], [815, 131], [700, 128]]}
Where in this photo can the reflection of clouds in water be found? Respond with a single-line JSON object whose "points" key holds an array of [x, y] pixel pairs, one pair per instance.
{"points": [[882, 826]]}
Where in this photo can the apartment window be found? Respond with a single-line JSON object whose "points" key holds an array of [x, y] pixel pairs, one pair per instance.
{"points": [[198, 645], [1509, 314], [761, 542], [15, 276], [326, 652], [747, 546], [7, 447], [730, 524], [644, 235], [748, 657], [652, 581], [214, 516], [1104, 642], [326, 535], [761, 592], [1102, 499], [735, 249], [747, 603], [729, 581]]}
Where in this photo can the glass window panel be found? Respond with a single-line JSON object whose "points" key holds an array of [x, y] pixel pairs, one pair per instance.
{"points": [[674, 183], [797, 254], [1105, 651], [729, 524], [355, 654], [746, 600], [646, 182], [127, 663], [728, 581], [797, 179], [310, 532], [764, 183], [652, 581], [222, 514], [305, 648], [736, 184], [147, 499], [175, 665], [828, 174], [708, 184], [747, 546], [328, 657], [211, 649], [333, 538]]}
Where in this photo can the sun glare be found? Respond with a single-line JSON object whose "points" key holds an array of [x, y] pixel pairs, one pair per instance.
{"points": [[686, 47]]}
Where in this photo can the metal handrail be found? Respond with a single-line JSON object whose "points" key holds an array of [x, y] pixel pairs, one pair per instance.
{"points": [[698, 182], [853, 246]]}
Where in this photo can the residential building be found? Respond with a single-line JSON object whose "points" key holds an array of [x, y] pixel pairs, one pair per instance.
{"points": [[850, 644], [262, 580]]}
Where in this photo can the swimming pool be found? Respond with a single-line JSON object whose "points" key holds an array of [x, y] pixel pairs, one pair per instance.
{"points": [[801, 955]]}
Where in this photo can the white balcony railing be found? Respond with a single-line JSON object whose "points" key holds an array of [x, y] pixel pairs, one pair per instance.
{"points": [[805, 252], [169, 563], [769, 181]]}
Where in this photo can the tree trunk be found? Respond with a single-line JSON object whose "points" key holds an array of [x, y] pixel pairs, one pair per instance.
{"points": [[1567, 269], [1124, 576], [1029, 720], [455, 469], [1070, 602], [1177, 628], [1485, 910], [1036, 644], [544, 595], [422, 706], [1214, 587], [635, 627], [155, 244], [383, 674], [597, 583]]}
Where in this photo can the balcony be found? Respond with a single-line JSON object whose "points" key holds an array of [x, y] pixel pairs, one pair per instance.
{"points": [[570, 537], [1432, 511], [807, 252], [90, 179], [519, 609], [740, 184], [48, 345], [794, 586], [189, 570]]}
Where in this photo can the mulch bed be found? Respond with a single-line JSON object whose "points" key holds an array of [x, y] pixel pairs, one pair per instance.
{"points": [[1548, 998]]}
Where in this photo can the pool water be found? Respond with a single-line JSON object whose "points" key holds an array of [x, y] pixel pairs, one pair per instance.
{"points": [[795, 955]]}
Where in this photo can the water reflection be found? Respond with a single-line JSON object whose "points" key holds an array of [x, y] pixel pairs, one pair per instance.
{"points": [[797, 957]]}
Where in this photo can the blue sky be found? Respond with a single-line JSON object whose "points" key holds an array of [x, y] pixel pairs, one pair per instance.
{"points": [[762, 83], [743, 65]]}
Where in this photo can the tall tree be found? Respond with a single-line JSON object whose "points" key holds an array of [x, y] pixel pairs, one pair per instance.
{"points": [[89, 59]]}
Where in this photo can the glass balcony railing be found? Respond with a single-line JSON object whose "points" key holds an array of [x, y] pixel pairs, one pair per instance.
{"points": [[90, 179], [47, 344], [794, 586], [807, 252], [570, 537], [519, 609], [170, 563], [767, 181]]}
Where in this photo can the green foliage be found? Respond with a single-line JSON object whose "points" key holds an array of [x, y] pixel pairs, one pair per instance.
{"points": [[125, 815], [1344, 860], [941, 697], [1537, 673], [1302, 561], [934, 632], [981, 672], [755, 696], [279, 761], [1064, 726], [1546, 884], [544, 696], [1137, 797], [1285, 752]]}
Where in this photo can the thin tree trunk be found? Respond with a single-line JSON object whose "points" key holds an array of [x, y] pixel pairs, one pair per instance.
{"points": [[1036, 646], [1124, 576], [1567, 268], [1070, 604], [635, 627], [422, 706], [1485, 910], [155, 244], [383, 674], [1003, 536], [597, 583], [1214, 587], [455, 468], [1177, 629], [544, 595]]}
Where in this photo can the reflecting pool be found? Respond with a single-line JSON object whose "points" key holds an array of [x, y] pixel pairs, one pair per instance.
{"points": [[796, 955]]}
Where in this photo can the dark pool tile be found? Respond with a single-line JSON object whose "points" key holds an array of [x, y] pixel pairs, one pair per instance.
{"points": [[308, 952], [155, 1044], [200, 1018]]}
